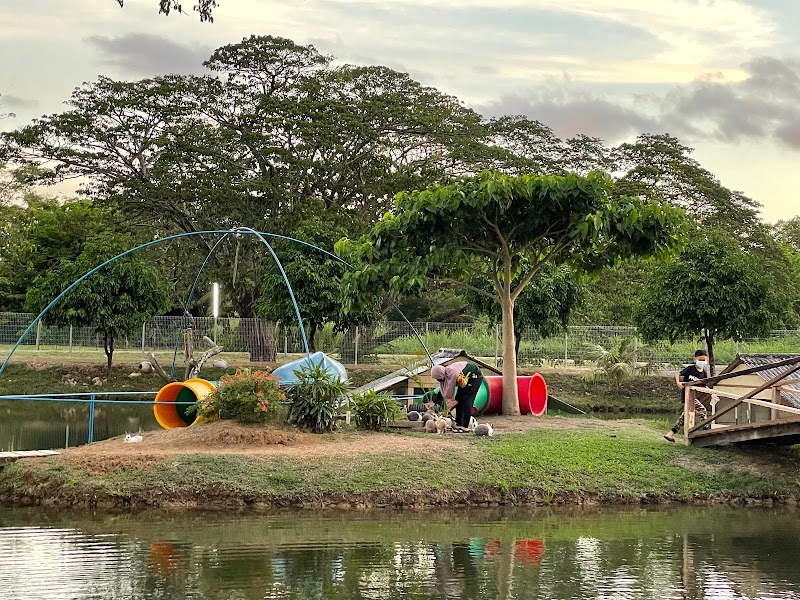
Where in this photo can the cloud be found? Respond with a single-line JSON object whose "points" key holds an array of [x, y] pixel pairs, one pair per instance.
{"points": [[761, 105], [15, 102], [148, 54], [569, 114]]}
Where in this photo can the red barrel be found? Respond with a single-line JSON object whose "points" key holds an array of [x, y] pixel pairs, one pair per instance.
{"points": [[495, 406], [531, 391], [524, 394], [537, 395]]}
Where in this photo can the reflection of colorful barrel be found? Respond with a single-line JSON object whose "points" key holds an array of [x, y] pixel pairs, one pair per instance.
{"points": [[171, 415], [529, 551], [532, 393]]}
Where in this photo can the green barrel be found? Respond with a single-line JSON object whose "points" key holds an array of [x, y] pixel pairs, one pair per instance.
{"points": [[481, 399]]}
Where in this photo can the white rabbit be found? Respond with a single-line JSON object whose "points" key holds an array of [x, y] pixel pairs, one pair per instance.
{"points": [[485, 429], [133, 439]]}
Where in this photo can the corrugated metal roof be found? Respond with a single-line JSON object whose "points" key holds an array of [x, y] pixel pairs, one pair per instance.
{"points": [[439, 358], [759, 360]]}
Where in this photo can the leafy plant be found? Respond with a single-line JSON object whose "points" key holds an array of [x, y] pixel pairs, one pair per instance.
{"points": [[616, 363], [315, 398], [246, 397], [372, 410]]}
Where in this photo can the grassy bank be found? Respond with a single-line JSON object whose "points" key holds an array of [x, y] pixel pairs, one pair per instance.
{"points": [[563, 461]]}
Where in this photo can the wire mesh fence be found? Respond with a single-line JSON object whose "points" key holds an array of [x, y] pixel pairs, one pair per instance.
{"points": [[390, 342]]}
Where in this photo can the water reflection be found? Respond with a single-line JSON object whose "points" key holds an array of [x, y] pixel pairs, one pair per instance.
{"points": [[687, 554], [37, 425]]}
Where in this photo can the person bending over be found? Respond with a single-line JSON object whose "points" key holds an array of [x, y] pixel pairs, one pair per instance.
{"points": [[459, 383]]}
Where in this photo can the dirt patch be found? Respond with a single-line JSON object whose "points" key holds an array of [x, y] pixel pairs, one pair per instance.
{"points": [[226, 437]]}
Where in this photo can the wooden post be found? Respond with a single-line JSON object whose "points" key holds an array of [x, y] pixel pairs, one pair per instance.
{"points": [[688, 413]]}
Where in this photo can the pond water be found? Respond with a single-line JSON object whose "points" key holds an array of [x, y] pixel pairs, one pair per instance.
{"points": [[39, 425], [687, 553]]}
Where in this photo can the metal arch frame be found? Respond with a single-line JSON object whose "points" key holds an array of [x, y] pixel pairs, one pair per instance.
{"points": [[225, 233]]}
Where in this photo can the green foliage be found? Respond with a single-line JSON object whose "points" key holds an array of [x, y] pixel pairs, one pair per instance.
{"points": [[504, 230], [315, 398], [247, 396], [115, 300], [616, 363], [37, 236], [712, 289], [373, 410], [315, 279]]}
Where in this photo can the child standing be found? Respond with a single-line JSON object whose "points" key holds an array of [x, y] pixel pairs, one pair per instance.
{"points": [[694, 372]]}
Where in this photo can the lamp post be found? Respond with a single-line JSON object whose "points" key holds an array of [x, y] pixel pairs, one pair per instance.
{"points": [[215, 307]]}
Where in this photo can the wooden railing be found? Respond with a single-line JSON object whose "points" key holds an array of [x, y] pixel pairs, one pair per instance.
{"points": [[778, 384]]}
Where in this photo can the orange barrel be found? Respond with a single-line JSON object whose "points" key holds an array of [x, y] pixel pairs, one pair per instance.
{"points": [[537, 394], [171, 415], [495, 406]]}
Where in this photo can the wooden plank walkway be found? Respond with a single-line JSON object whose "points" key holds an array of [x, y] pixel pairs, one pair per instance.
{"points": [[783, 432], [7, 457]]}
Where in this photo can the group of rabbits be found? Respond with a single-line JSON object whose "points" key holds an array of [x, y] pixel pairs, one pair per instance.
{"points": [[441, 424]]}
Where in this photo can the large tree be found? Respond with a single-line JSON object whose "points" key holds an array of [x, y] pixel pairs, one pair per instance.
{"points": [[115, 300], [505, 230], [713, 290], [276, 128]]}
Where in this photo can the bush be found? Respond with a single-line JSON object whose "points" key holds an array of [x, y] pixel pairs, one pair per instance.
{"points": [[372, 410], [315, 398], [246, 397]]}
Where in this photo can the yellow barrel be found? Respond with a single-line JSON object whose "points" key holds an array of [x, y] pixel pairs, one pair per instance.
{"points": [[171, 415]]}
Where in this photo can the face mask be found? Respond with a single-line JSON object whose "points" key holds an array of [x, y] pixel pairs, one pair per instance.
{"points": [[701, 363]]}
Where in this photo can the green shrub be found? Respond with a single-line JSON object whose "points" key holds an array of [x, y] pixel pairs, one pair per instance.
{"points": [[246, 397], [315, 398], [372, 410]]}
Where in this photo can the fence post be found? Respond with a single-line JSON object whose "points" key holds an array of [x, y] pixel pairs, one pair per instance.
{"points": [[70, 348], [285, 345], [38, 334], [356, 347], [566, 348], [91, 418], [143, 336], [66, 441]]}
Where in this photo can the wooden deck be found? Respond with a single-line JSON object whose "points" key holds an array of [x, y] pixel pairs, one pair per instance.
{"points": [[753, 401], [783, 432], [7, 457]]}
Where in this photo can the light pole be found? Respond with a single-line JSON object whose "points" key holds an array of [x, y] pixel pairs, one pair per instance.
{"points": [[215, 307]]}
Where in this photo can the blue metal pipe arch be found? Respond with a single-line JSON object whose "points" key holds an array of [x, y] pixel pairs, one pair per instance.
{"points": [[224, 233]]}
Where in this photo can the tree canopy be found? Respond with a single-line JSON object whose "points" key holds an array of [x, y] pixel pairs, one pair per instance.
{"points": [[505, 230], [712, 290], [115, 300]]}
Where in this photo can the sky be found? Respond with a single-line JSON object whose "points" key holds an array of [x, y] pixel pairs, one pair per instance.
{"points": [[721, 75]]}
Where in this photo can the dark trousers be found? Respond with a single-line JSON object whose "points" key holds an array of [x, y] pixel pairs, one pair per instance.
{"points": [[465, 397]]}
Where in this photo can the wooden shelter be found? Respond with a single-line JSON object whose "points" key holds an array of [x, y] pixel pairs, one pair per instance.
{"points": [[417, 379], [756, 398]]}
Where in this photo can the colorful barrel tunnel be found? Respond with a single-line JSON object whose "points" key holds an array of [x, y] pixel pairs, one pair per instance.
{"points": [[170, 414], [532, 392]]}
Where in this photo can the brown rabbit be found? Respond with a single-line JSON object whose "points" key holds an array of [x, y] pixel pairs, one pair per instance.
{"points": [[441, 425], [430, 425]]}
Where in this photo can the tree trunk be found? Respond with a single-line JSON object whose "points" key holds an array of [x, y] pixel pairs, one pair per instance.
{"points": [[510, 397], [108, 348], [312, 333], [710, 347]]}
